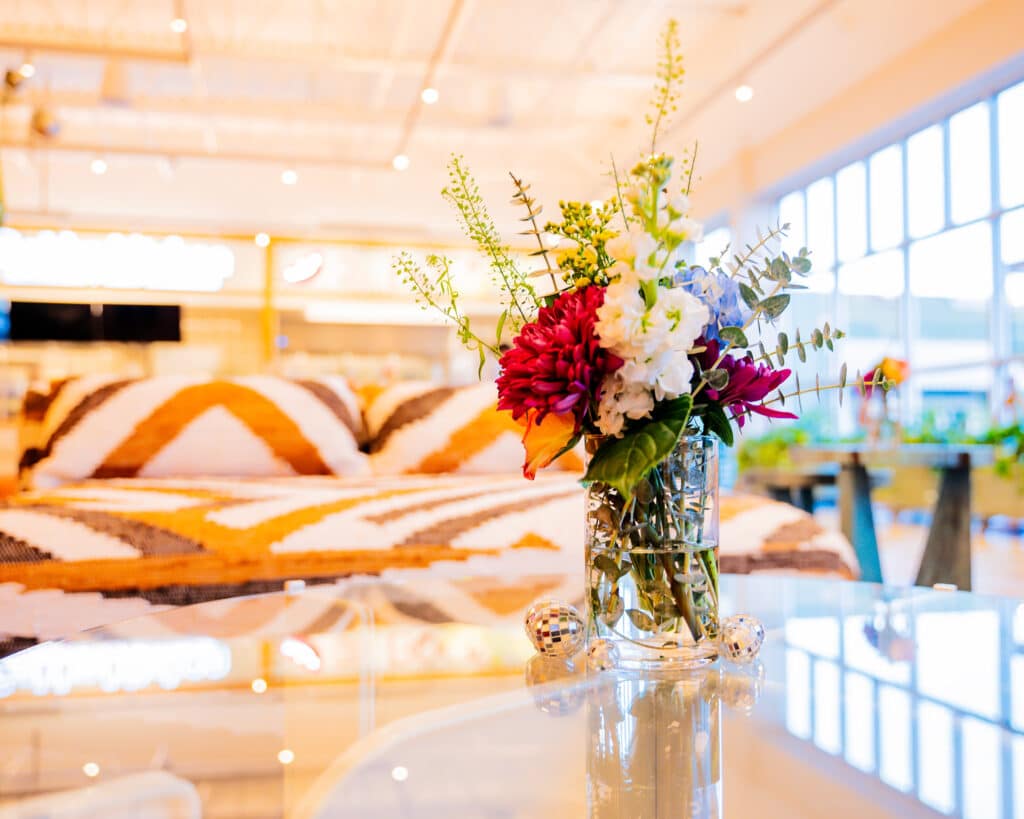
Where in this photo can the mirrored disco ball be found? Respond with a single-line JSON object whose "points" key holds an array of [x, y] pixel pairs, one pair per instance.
{"points": [[555, 628]]}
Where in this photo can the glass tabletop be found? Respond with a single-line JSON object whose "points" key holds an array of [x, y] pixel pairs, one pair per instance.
{"points": [[422, 698]]}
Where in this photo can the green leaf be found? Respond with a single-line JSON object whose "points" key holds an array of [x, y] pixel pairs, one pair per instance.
{"points": [[784, 343], [801, 264], [717, 379], [749, 296], [774, 306], [641, 619], [780, 271], [624, 462], [734, 335], [483, 360], [501, 325], [610, 615], [817, 339], [608, 566], [717, 422]]}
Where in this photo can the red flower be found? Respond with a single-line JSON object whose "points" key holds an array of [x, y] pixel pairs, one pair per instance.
{"points": [[749, 384], [556, 364]]}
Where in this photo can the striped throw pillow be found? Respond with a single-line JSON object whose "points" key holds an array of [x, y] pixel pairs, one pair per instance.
{"points": [[417, 427], [185, 426]]}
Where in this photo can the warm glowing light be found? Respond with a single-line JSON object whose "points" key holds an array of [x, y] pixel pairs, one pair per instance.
{"points": [[429, 96], [399, 773], [91, 769], [289, 177], [262, 239], [286, 756], [597, 204], [179, 25], [400, 162], [259, 685], [27, 70], [98, 166], [744, 93]]}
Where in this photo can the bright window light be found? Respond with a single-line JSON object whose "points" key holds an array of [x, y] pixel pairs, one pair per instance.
{"points": [[878, 275], [852, 211], [886, 172], [939, 263], [119, 261], [970, 181], [926, 182], [1011, 136]]}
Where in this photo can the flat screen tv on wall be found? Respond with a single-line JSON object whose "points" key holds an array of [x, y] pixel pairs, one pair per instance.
{"points": [[137, 323]]}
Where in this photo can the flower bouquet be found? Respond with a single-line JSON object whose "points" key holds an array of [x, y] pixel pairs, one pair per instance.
{"points": [[618, 341]]}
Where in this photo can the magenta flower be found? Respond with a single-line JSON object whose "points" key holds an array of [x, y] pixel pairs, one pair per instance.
{"points": [[556, 364], [749, 384]]}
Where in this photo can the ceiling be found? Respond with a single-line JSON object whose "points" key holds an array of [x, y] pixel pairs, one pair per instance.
{"points": [[196, 127]]}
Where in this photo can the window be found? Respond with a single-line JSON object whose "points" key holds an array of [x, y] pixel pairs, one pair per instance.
{"points": [[918, 252]]}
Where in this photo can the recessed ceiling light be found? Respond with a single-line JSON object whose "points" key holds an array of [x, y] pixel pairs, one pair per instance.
{"points": [[259, 685], [289, 177], [400, 162], [27, 70], [262, 240], [179, 25], [91, 769], [98, 166], [399, 773], [744, 93], [429, 95], [286, 756]]}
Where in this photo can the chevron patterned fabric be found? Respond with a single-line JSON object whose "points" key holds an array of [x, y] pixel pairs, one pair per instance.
{"points": [[417, 427], [259, 426]]}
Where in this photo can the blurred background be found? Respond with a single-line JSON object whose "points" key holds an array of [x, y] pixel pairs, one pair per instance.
{"points": [[221, 186]]}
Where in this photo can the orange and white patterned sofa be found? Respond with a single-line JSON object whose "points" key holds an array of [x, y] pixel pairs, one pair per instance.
{"points": [[172, 490]]}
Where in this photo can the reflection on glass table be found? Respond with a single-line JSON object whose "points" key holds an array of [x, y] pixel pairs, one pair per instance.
{"points": [[391, 699]]}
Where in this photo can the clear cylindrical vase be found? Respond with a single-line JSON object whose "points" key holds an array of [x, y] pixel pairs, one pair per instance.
{"points": [[652, 560]]}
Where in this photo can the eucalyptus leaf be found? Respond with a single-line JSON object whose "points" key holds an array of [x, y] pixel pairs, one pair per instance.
{"points": [[717, 379], [784, 343], [607, 566], [734, 335], [774, 306], [749, 296], [641, 619], [612, 611]]}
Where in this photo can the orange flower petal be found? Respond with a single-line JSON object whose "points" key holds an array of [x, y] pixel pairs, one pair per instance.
{"points": [[545, 440]]}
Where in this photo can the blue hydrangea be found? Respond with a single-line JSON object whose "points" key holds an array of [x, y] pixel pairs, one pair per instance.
{"points": [[720, 293]]}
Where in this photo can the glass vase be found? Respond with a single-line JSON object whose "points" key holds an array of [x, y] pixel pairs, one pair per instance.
{"points": [[652, 560]]}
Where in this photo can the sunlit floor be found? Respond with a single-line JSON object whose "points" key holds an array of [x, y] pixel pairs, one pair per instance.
{"points": [[998, 555]]}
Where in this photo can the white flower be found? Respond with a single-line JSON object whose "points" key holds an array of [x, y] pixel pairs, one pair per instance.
{"points": [[637, 257], [619, 401], [653, 344]]}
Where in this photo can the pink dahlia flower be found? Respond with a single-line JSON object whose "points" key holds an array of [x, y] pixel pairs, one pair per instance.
{"points": [[556, 364], [749, 384]]}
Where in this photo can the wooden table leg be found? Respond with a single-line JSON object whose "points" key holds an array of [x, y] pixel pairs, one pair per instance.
{"points": [[857, 519], [947, 554]]}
